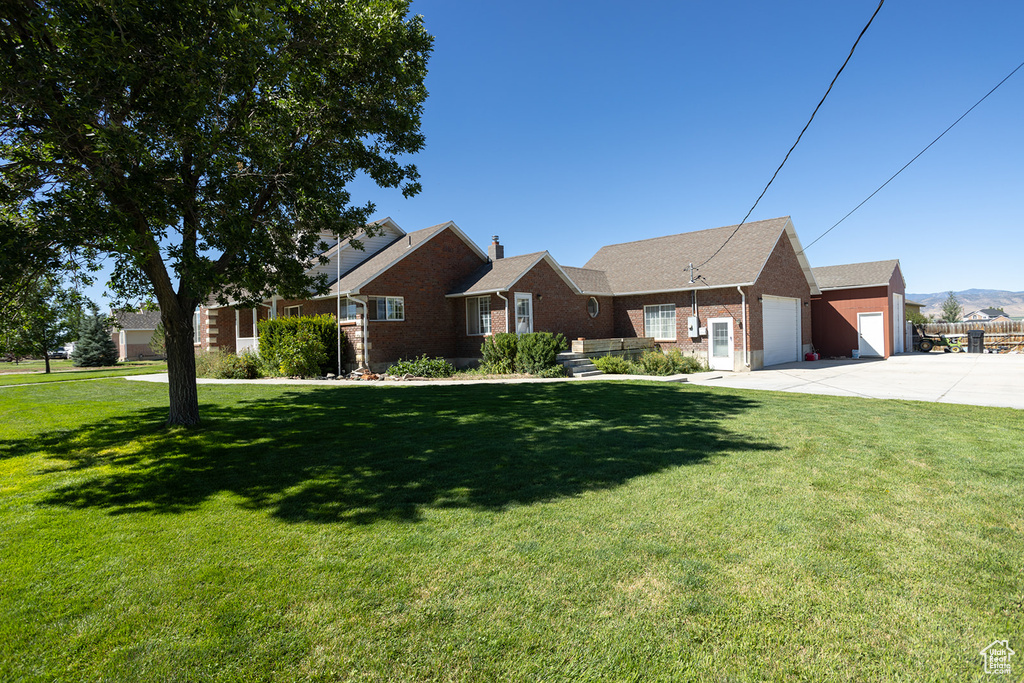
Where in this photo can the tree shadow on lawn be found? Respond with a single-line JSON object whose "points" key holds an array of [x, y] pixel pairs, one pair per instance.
{"points": [[362, 455]]}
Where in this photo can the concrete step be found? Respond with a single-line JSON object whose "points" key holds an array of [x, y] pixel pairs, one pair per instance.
{"points": [[587, 373]]}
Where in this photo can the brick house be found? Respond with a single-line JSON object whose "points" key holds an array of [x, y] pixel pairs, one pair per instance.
{"points": [[131, 333], [860, 308], [435, 292]]}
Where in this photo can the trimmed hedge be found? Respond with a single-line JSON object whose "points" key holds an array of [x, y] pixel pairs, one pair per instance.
{"points": [[306, 346]]}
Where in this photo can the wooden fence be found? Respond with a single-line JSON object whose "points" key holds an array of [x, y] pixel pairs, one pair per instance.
{"points": [[1011, 327]]}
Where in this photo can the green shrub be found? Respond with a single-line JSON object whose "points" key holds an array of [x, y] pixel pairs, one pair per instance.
{"points": [[499, 353], [553, 371], [683, 364], [654, 363], [306, 346], [536, 351], [222, 364], [422, 367], [615, 365]]}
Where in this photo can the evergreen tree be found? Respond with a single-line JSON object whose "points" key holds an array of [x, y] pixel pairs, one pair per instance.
{"points": [[94, 347], [952, 311], [158, 343]]}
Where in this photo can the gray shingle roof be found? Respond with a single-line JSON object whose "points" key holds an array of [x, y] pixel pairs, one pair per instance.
{"points": [[145, 320], [661, 264], [498, 275], [871, 274], [590, 281]]}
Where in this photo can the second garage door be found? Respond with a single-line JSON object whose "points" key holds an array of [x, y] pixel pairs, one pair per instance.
{"points": [[781, 317]]}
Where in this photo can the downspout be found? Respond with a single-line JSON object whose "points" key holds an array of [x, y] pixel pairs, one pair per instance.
{"points": [[506, 310], [743, 308], [366, 315]]}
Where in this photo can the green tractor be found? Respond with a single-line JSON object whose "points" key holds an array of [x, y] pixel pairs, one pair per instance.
{"points": [[927, 342]]}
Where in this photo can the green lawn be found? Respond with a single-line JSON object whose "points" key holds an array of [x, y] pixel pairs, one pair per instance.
{"points": [[31, 372], [537, 532]]}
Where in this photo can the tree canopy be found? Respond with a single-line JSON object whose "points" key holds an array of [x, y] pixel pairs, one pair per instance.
{"points": [[952, 311], [207, 145]]}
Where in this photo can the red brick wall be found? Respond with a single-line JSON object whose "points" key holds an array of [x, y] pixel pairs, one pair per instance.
{"points": [[423, 278], [835, 316], [781, 276], [558, 309], [711, 303], [467, 346]]}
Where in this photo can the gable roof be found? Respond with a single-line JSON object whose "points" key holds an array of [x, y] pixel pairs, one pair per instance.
{"points": [[852, 275], [502, 274], [135, 320], [361, 275], [661, 264], [589, 281]]}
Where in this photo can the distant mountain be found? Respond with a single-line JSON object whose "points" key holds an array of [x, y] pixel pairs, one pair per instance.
{"points": [[972, 300]]}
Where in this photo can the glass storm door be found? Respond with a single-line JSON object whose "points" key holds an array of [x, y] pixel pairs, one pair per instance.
{"points": [[524, 313]]}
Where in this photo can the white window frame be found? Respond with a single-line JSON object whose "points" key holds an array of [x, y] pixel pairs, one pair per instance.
{"points": [[196, 320], [392, 308], [525, 298], [662, 312], [349, 311], [478, 316], [597, 307], [288, 311]]}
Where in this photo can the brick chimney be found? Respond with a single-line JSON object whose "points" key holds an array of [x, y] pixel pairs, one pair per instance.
{"points": [[495, 251]]}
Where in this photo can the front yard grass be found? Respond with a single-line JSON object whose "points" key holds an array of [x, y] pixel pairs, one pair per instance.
{"points": [[32, 372], [563, 531]]}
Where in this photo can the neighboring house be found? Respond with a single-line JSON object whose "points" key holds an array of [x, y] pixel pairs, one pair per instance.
{"points": [[861, 308], [435, 292], [912, 307], [132, 332], [986, 315]]}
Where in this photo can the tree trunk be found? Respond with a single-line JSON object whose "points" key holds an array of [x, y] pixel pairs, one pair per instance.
{"points": [[181, 368], [46, 359]]}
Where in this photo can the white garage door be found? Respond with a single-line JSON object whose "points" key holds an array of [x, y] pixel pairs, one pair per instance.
{"points": [[781, 329]]}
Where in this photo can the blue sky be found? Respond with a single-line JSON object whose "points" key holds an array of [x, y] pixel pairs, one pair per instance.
{"points": [[566, 126], [569, 125]]}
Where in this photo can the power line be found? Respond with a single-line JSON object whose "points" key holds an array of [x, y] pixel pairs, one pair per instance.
{"points": [[806, 126], [915, 158]]}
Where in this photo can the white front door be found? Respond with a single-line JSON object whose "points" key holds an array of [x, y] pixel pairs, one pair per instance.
{"points": [[871, 334], [720, 352], [897, 323], [524, 313]]}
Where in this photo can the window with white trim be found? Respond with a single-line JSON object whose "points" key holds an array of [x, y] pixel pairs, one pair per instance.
{"points": [[387, 308], [195, 327], [478, 315], [660, 322], [593, 307], [349, 310], [293, 311]]}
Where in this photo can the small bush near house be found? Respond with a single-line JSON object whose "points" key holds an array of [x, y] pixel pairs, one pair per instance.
{"points": [[615, 365], [499, 353], [553, 371], [302, 353], [536, 351], [671, 363], [305, 346], [422, 367], [222, 364]]}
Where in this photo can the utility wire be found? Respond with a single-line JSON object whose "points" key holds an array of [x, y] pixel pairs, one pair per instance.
{"points": [[914, 159], [806, 126]]}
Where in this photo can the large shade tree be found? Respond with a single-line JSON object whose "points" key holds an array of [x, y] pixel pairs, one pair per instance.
{"points": [[205, 144]]}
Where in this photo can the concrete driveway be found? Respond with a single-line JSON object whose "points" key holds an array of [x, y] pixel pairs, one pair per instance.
{"points": [[979, 379]]}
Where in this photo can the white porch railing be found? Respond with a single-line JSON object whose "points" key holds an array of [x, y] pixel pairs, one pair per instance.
{"points": [[243, 344]]}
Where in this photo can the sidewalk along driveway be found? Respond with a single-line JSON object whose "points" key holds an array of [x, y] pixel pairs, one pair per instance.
{"points": [[979, 379]]}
